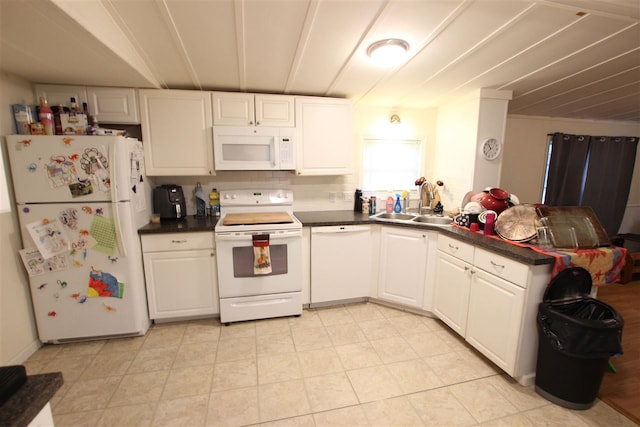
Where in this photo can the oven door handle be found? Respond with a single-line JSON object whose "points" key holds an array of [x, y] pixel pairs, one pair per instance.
{"points": [[248, 236]]}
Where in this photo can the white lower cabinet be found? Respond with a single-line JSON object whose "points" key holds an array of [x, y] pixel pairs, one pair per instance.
{"points": [[341, 262], [403, 265], [494, 318], [181, 274], [451, 292]]}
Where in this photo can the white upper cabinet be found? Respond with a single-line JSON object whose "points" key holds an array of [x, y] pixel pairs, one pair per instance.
{"points": [[113, 105], [107, 104], [177, 132], [325, 138], [247, 109]]}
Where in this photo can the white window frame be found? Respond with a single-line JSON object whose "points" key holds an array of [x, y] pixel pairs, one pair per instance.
{"points": [[411, 175]]}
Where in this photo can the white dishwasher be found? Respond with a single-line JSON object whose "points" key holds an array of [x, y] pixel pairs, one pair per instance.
{"points": [[341, 262]]}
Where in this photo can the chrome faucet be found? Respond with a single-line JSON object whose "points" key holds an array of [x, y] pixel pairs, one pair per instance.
{"points": [[430, 196]]}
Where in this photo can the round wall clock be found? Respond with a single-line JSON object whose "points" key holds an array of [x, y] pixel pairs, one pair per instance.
{"points": [[491, 148]]}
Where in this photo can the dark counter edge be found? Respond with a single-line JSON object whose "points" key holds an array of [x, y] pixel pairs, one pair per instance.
{"points": [[28, 401], [518, 253], [328, 218]]}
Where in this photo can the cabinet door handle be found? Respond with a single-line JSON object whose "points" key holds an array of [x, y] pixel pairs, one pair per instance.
{"points": [[453, 248], [179, 241], [498, 267]]}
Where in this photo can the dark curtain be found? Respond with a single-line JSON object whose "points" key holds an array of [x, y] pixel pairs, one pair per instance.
{"points": [[609, 172], [566, 169]]}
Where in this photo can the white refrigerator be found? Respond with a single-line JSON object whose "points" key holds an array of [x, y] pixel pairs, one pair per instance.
{"points": [[80, 201]]}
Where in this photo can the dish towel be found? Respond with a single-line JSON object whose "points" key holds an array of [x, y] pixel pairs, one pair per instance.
{"points": [[261, 254]]}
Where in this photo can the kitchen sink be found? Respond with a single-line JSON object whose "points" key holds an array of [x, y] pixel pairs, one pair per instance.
{"points": [[396, 216], [433, 219], [412, 219]]}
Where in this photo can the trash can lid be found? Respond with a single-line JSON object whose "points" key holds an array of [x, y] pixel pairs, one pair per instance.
{"points": [[570, 283]]}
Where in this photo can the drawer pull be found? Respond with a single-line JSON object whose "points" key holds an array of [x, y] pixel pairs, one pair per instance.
{"points": [[498, 267], [453, 248], [179, 241]]}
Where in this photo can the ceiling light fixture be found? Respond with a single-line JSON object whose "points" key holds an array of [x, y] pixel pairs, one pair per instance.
{"points": [[394, 119], [388, 52]]}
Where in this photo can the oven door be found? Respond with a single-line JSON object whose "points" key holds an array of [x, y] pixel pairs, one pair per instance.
{"points": [[236, 276], [245, 148]]}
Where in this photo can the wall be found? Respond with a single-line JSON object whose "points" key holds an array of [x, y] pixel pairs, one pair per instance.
{"points": [[525, 152], [18, 336], [317, 192]]}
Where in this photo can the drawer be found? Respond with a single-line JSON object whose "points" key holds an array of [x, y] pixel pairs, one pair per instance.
{"points": [[177, 241], [502, 267], [456, 248]]}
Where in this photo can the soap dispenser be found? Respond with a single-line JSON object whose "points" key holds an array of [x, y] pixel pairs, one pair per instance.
{"points": [[397, 208]]}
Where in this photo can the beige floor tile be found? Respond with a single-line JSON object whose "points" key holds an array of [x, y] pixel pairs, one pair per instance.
{"points": [[334, 315], [363, 312], [196, 353], [347, 333], [301, 421], [453, 340], [394, 349], [238, 330], [517, 420], [139, 388], [482, 400], [78, 419], [202, 330], [374, 383], [277, 343], [190, 381], [409, 324], [392, 412], [236, 374], [601, 414], [46, 352], [523, 398], [433, 323], [353, 416], [153, 359], [278, 325], [309, 319], [554, 416], [328, 392], [128, 416], [282, 400], [278, 367], [72, 368], [440, 408], [454, 368], [378, 329], [124, 345], [233, 407], [88, 395], [414, 375], [185, 411], [359, 355], [319, 362], [61, 393], [236, 349], [87, 348], [34, 366], [164, 336], [427, 344], [108, 364], [310, 338]]}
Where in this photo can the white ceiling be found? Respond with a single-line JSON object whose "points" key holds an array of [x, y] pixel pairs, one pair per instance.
{"points": [[561, 58]]}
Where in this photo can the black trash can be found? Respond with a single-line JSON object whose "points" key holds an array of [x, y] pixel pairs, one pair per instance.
{"points": [[577, 335]]}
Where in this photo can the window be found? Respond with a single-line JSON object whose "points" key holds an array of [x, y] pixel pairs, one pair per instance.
{"points": [[390, 164]]}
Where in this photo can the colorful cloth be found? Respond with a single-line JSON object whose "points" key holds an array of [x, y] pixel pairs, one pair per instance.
{"points": [[604, 264]]}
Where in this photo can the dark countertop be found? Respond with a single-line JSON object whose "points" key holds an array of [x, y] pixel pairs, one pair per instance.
{"points": [[502, 247], [189, 223], [28, 401], [328, 218]]}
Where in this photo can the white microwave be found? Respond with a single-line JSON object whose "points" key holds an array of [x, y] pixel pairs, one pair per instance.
{"points": [[253, 148]]}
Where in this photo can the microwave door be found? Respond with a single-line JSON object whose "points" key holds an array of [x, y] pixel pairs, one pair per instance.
{"points": [[237, 148]]}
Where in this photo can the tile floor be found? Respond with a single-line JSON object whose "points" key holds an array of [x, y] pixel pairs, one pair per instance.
{"points": [[354, 365]]}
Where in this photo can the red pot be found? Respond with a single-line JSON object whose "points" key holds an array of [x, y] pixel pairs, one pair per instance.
{"points": [[496, 200]]}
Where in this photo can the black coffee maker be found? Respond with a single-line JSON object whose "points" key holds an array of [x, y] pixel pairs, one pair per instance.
{"points": [[168, 202]]}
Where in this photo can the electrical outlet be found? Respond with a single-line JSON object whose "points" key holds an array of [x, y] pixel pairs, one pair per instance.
{"points": [[332, 197], [347, 196]]}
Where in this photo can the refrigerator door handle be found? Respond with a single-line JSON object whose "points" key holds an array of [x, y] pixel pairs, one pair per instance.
{"points": [[113, 176], [118, 226]]}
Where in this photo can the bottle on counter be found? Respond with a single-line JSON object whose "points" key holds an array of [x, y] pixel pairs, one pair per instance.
{"points": [[357, 201], [372, 205], [45, 115], [214, 202], [389, 204], [489, 224], [397, 208]]}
